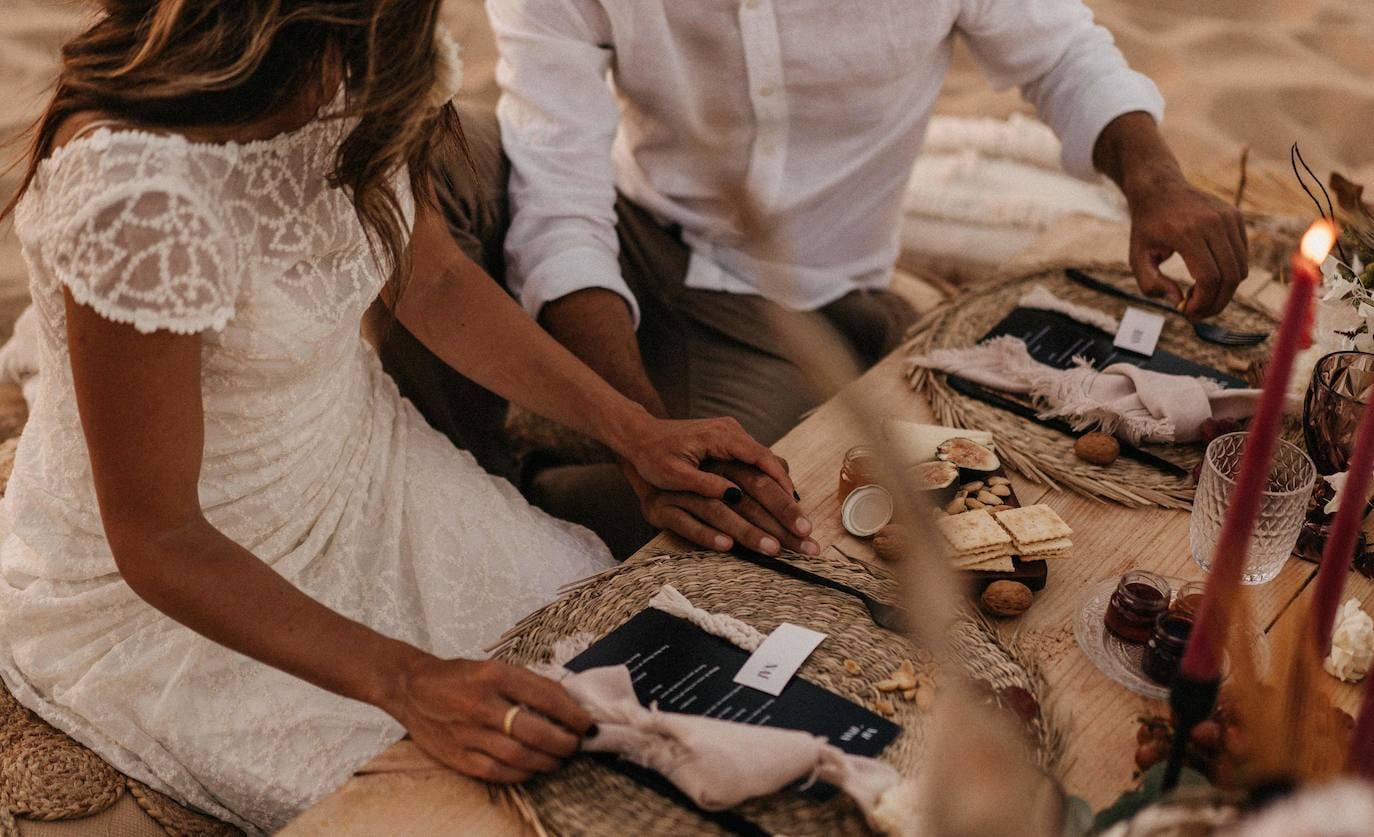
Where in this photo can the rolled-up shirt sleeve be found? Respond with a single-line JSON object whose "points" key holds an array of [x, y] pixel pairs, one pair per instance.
{"points": [[1065, 64], [558, 121]]}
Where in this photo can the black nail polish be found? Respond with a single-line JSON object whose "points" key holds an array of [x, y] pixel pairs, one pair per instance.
{"points": [[733, 495], [593, 730], [796, 496]]}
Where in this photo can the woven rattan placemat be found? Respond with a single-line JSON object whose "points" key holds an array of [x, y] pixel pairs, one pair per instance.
{"points": [[588, 798], [1040, 453]]}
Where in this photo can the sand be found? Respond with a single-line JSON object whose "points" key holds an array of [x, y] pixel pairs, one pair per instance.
{"points": [[1262, 73]]}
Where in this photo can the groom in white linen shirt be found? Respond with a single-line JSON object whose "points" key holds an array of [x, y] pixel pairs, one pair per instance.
{"points": [[634, 127]]}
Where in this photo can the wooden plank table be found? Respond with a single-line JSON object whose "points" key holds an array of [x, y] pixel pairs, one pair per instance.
{"points": [[1099, 716]]}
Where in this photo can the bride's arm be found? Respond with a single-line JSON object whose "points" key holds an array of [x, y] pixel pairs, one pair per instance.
{"points": [[460, 314], [139, 397]]}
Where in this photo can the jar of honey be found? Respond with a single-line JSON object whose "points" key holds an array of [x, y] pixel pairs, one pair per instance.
{"points": [[1139, 600], [1188, 597], [1164, 650], [861, 466]]}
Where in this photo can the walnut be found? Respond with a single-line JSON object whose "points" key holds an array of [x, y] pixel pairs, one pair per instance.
{"points": [[1097, 448], [1007, 598]]}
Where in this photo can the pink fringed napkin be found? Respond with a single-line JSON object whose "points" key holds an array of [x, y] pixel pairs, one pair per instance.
{"points": [[1134, 403], [718, 764]]}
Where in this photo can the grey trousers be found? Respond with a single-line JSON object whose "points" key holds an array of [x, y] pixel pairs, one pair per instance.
{"points": [[709, 353]]}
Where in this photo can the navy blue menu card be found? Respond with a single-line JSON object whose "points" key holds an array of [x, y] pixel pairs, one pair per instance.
{"points": [[684, 669], [1055, 339]]}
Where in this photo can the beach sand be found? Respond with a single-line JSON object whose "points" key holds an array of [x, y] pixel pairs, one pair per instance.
{"points": [[1262, 73]]}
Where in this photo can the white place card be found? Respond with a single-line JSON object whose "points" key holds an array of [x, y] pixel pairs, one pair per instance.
{"points": [[1139, 331], [778, 657]]}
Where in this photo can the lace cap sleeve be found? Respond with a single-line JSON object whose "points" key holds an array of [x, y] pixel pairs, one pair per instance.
{"points": [[150, 252]]}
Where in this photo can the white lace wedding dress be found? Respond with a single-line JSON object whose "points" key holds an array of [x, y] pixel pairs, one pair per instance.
{"points": [[312, 461]]}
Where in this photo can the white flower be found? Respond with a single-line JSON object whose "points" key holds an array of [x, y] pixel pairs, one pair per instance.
{"points": [[1352, 643], [1337, 483], [448, 68]]}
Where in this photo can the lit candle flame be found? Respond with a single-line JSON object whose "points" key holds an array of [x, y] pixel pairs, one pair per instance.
{"points": [[1318, 241]]}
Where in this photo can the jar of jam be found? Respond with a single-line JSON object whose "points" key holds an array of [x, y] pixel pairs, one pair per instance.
{"points": [[1188, 597], [1139, 599], [861, 466], [1164, 650]]}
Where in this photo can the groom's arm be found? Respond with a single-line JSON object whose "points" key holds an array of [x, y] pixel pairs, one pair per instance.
{"points": [[1106, 117], [558, 122], [1169, 215], [597, 326]]}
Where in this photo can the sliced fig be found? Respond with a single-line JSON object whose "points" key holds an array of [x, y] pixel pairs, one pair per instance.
{"points": [[931, 476], [968, 454]]}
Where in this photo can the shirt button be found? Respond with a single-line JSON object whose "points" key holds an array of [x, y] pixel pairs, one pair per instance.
{"points": [[751, 4], [767, 90]]}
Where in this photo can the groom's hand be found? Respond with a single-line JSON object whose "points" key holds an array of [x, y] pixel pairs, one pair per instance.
{"points": [[1169, 216], [1173, 217]]}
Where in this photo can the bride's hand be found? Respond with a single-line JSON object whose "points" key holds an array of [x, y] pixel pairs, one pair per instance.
{"points": [[455, 710], [668, 455]]}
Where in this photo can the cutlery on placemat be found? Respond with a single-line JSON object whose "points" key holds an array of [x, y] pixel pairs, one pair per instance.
{"points": [[987, 396], [1211, 332], [884, 615]]}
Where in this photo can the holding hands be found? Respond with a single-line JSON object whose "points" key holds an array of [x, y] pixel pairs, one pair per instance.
{"points": [[708, 481]]}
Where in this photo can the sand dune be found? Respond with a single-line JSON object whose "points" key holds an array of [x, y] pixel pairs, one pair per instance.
{"points": [[1262, 73]]}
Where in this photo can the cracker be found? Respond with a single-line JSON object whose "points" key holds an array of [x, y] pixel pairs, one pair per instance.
{"points": [[1033, 524], [1055, 545], [972, 531], [960, 562], [1002, 565]]}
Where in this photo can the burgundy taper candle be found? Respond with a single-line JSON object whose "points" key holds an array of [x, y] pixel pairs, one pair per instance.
{"points": [[1202, 658]]}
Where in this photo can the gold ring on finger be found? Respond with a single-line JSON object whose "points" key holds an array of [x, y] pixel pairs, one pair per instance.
{"points": [[508, 724]]}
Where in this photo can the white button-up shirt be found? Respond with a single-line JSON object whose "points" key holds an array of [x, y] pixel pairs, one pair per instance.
{"points": [[814, 109]]}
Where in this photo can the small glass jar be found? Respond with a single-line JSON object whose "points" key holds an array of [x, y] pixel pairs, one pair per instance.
{"points": [[860, 467], [1164, 650], [1188, 597], [1139, 599]]}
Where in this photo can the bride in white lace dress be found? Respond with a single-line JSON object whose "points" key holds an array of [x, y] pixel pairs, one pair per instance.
{"points": [[235, 562]]}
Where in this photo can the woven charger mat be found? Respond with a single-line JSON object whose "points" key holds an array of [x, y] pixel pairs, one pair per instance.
{"points": [[588, 798], [1045, 455]]}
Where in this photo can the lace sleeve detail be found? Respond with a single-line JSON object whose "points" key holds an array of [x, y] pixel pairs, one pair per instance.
{"points": [[150, 253]]}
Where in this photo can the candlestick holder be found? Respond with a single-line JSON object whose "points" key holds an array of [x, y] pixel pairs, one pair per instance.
{"points": [[1192, 702]]}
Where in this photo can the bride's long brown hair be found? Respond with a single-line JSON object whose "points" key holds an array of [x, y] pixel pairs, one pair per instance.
{"points": [[231, 62]]}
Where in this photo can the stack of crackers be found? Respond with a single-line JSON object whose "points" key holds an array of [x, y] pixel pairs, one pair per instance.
{"points": [[1037, 532], [974, 541], [983, 540]]}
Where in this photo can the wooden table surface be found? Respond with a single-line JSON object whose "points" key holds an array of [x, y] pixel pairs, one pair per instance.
{"points": [[1099, 715]]}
